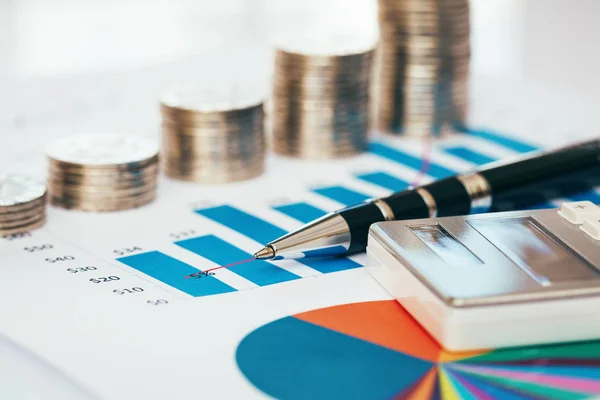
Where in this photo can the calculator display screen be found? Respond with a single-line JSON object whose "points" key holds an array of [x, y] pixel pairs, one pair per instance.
{"points": [[539, 253], [445, 245]]}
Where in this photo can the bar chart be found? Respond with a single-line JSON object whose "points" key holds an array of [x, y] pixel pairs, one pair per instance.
{"points": [[384, 180], [171, 272], [342, 194], [220, 252], [499, 139], [196, 279], [300, 211], [469, 155], [263, 231], [406, 159]]}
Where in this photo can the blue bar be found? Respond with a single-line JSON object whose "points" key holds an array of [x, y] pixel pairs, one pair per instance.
{"points": [[385, 151], [263, 232], [384, 180], [347, 197], [248, 225], [173, 272], [303, 212], [541, 206], [592, 196], [220, 252], [512, 144], [469, 155]]}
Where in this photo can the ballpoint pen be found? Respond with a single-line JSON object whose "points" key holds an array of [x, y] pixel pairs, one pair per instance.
{"points": [[500, 186]]}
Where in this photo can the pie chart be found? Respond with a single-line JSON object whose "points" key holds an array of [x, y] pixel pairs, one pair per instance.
{"points": [[376, 350]]}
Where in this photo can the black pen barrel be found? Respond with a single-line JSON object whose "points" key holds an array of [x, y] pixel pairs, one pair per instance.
{"points": [[544, 176], [542, 166], [511, 185]]}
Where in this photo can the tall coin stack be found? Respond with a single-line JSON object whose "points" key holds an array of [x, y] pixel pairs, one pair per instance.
{"points": [[422, 66], [22, 204], [213, 136], [102, 172], [321, 98]]}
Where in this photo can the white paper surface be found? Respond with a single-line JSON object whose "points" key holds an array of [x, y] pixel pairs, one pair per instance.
{"points": [[122, 347]]}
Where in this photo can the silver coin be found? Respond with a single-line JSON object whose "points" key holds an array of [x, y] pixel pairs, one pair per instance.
{"points": [[210, 136], [100, 150], [214, 177], [16, 190], [321, 104], [213, 98], [74, 203], [26, 226]]}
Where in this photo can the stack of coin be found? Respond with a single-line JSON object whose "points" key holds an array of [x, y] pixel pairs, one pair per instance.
{"points": [[213, 136], [99, 172], [422, 66], [321, 97], [22, 204]]}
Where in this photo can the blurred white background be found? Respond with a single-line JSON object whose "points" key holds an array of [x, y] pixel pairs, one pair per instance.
{"points": [[44, 37], [90, 65]]}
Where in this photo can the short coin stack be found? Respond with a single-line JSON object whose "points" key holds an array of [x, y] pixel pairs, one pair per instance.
{"points": [[321, 98], [213, 136], [102, 172], [423, 66], [22, 204]]}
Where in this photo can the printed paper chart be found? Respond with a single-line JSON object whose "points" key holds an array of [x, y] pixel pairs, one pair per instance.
{"points": [[375, 350]]}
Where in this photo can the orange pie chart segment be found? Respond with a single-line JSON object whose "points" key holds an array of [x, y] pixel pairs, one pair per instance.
{"points": [[385, 323]]}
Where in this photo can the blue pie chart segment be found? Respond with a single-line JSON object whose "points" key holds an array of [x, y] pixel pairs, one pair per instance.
{"points": [[294, 359]]}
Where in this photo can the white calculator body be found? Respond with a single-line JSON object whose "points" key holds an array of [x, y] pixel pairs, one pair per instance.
{"points": [[495, 280]]}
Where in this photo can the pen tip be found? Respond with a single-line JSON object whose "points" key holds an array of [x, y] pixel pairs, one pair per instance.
{"points": [[266, 253]]}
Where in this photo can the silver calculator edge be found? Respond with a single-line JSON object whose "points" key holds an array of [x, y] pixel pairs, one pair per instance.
{"points": [[395, 237]]}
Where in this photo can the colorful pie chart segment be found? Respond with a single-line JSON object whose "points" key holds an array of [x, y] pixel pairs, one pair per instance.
{"points": [[376, 350]]}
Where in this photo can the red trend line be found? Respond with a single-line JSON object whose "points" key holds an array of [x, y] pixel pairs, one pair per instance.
{"points": [[426, 164], [231, 265], [206, 271]]}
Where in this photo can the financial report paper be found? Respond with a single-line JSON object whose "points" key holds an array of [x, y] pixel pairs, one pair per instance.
{"points": [[117, 304]]}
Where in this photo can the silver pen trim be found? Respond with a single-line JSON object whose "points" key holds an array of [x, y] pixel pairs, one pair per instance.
{"points": [[429, 201], [479, 191], [385, 209]]}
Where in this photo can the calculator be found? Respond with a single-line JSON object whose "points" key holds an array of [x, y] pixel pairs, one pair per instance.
{"points": [[495, 280]]}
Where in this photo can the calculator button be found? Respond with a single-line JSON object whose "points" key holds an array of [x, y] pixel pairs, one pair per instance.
{"points": [[591, 226], [577, 211]]}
